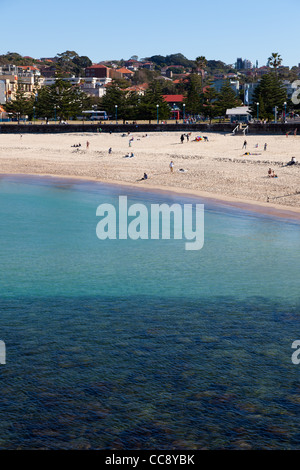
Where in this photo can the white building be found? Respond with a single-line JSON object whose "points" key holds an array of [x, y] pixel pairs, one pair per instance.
{"points": [[218, 84], [239, 114], [93, 86]]}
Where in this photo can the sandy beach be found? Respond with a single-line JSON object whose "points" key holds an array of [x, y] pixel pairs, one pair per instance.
{"points": [[218, 168]]}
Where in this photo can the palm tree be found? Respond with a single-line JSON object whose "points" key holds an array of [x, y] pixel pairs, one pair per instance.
{"points": [[201, 63], [275, 61]]}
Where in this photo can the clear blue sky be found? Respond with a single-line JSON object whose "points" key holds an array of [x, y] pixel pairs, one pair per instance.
{"points": [[118, 29]]}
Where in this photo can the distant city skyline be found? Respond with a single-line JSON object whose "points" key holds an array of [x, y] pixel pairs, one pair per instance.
{"points": [[123, 29]]}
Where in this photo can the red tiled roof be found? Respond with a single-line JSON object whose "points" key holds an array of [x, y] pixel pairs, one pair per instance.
{"points": [[97, 66], [141, 87], [124, 70], [31, 67], [173, 98]]}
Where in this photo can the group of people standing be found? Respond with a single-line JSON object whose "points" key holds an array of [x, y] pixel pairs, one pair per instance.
{"points": [[256, 146], [183, 136]]}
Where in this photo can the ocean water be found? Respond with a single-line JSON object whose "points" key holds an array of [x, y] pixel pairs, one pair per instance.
{"points": [[123, 344]]}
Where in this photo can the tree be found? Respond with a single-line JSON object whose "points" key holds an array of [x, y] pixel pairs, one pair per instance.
{"points": [[82, 61], [275, 61], [114, 96], [148, 105], [209, 107], [269, 93], [144, 76], [227, 99], [20, 106], [201, 63], [71, 62], [193, 101], [62, 100]]}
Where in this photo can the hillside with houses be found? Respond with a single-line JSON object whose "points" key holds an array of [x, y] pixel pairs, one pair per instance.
{"points": [[188, 87]]}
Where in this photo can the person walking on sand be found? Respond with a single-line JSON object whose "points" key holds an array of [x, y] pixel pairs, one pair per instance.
{"points": [[171, 166], [109, 150], [182, 138], [245, 144], [265, 147], [87, 144]]}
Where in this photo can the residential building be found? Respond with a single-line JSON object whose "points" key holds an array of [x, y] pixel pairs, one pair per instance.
{"points": [[8, 87], [139, 89], [218, 84], [97, 70], [125, 73]]}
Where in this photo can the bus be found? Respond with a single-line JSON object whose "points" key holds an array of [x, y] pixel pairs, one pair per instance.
{"points": [[95, 115]]}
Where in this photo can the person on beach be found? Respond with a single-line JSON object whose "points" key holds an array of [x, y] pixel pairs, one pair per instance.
{"points": [[145, 177], [291, 162], [245, 144], [171, 166], [265, 147], [87, 144], [182, 138], [109, 150], [269, 172]]}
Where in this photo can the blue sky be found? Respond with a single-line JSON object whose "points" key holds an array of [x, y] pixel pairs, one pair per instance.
{"points": [[118, 29]]}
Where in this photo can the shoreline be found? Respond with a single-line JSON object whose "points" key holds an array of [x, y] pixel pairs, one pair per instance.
{"points": [[267, 208], [218, 170]]}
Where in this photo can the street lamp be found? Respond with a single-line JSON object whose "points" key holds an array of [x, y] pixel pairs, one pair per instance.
{"points": [[55, 113], [33, 113], [157, 108], [275, 113], [116, 106], [285, 111], [183, 112], [257, 104]]}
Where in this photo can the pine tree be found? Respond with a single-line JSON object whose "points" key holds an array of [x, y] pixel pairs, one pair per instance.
{"points": [[148, 108], [269, 93], [20, 106], [209, 107], [227, 99], [193, 101], [62, 100], [114, 99]]}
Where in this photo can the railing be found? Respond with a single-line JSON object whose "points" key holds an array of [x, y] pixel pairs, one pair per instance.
{"points": [[235, 130]]}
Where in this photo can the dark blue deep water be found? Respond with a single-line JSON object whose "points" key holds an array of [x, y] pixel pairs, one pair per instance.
{"points": [[123, 344]]}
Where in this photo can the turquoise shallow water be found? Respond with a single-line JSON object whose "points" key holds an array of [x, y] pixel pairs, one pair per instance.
{"points": [[141, 344]]}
